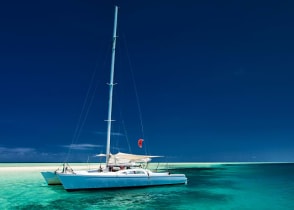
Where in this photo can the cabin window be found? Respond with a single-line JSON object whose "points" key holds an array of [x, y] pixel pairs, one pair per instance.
{"points": [[139, 172]]}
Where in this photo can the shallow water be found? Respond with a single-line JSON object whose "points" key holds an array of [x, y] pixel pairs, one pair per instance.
{"points": [[215, 186]]}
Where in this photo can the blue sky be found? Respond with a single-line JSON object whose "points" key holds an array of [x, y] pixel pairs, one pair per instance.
{"points": [[214, 80]]}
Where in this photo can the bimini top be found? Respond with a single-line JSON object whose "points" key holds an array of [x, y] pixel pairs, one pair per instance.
{"points": [[125, 158]]}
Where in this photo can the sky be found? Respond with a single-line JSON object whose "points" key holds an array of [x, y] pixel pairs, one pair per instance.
{"points": [[199, 81]]}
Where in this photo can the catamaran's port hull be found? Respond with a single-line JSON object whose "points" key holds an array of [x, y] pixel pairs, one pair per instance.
{"points": [[51, 178]]}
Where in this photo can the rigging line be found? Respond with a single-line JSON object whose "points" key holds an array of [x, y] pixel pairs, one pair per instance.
{"points": [[79, 127], [119, 107], [126, 135], [89, 107], [87, 113], [74, 138], [124, 129], [135, 88], [117, 138]]}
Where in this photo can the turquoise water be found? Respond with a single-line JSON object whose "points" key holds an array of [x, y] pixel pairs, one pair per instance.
{"points": [[216, 186]]}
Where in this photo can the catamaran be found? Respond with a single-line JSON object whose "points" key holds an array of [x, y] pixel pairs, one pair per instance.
{"points": [[121, 170]]}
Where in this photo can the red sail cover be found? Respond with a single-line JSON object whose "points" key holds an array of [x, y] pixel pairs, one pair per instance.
{"points": [[140, 142]]}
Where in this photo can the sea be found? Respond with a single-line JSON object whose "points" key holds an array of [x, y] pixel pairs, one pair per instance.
{"points": [[223, 186]]}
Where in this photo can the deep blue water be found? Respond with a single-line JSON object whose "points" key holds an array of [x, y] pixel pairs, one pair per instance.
{"points": [[220, 186]]}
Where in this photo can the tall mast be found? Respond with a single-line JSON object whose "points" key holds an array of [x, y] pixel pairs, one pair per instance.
{"points": [[111, 84]]}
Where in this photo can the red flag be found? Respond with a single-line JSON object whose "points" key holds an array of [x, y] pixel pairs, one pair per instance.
{"points": [[140, 142]]}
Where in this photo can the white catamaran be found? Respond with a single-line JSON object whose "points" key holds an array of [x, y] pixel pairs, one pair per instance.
{"points": [[121, 170]]}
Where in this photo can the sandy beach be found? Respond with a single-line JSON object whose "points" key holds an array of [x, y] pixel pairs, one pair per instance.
{"points": [[43, 167], [86, 166]]}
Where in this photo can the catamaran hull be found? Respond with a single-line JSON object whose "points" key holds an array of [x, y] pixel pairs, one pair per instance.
{"points": [[73, 182], [51, 178]]}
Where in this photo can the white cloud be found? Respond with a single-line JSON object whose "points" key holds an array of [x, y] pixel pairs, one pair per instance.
{"points": [[17, 150], [26, 154], [112, 133], [16, 154], [82, 146]]}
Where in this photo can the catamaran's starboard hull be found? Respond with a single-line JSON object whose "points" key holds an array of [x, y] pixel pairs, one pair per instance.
{"points": [[51, 178], [73, 182]]}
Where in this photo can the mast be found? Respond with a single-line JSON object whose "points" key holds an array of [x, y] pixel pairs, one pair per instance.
{"points": [[111, 84]]}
